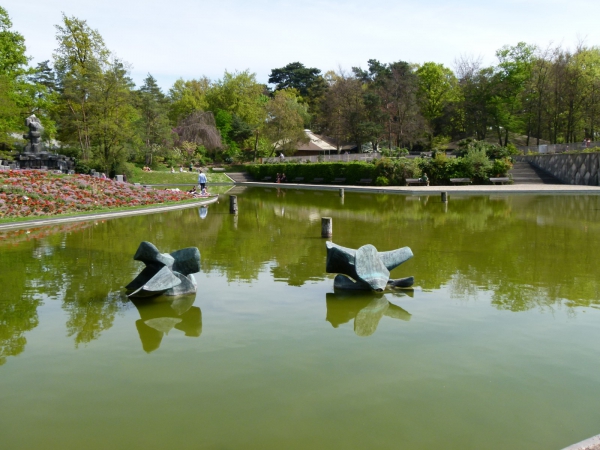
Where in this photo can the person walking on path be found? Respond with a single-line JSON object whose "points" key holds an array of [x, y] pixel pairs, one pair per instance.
{"points": [[201, 180]]}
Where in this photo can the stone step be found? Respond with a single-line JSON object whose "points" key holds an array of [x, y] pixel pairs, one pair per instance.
{"points": [[239, 177], [525, 173]]}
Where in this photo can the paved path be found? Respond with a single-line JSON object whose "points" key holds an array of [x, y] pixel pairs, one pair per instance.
{"points": [[106, 215], [477, 189]]}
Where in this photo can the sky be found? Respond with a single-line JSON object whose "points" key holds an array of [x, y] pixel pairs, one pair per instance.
{"points": [[187, 39]]}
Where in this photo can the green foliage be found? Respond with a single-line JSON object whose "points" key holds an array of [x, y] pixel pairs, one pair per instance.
{"points": [[238, 93], [477, 164], [394, 152], [284, 127], [440, 143], [501, 166], [187, 97], [493, 151], [393, 172], [353, 172], [437, 88], [14, 99], [153, 125], [382, 181], [396, 171], [81, 167], [307, 81], [80, 61]]}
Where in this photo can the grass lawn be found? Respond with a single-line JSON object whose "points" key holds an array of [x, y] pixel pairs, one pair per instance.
{"points": [[166, 177]]}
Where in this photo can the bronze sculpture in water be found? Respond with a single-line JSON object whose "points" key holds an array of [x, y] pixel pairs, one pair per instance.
{"points": [[165, 273], [366, 268]]}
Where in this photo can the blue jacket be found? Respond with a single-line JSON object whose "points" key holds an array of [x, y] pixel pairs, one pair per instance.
{"points": [[201, 178]]}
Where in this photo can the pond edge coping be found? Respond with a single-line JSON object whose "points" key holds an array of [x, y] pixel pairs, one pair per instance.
{"points": [[424, 190], [106, 215]]}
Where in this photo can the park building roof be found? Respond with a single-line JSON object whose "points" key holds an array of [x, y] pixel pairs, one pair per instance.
{"points": [[319, 144]]}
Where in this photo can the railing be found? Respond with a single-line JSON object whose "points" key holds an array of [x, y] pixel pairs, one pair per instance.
{"points": [[559, 148], [323, 158]]}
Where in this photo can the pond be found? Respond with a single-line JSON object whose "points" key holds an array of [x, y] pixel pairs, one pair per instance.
{"points": [[496, 346]]}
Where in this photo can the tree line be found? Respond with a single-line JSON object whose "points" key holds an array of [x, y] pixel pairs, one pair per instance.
{"points": [[89, 104]]}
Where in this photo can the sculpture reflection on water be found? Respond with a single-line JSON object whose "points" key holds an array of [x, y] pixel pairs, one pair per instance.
{"points": [[159, 316], [367, 310]]}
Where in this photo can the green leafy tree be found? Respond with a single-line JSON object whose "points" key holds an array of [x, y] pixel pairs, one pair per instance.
{"points": [[112, 118], [239, 94], [512, 75], [187, 97], [80, 61], [284, 127], [154, 127], [306, 80], [351, 112], [437, 89], [13, 68]]}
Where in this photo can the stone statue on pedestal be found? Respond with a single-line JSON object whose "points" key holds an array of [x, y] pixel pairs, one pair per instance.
{"points": [[34, 136]]}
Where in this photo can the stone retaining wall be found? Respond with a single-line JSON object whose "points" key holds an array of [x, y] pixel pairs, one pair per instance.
{"points": [[581, 169]]}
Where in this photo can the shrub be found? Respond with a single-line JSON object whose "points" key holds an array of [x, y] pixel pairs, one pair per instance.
{"points": [[493, 151], [382, 181], [353, 171], [393, 172], [80, 167], [477, 163], [501, 166], [396, 171]]}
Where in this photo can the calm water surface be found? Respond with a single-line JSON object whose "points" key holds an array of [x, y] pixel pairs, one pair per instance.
{"points": [[497, 347]]}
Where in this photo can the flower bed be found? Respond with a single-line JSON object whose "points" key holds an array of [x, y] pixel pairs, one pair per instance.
{"points": [[25, 193]]}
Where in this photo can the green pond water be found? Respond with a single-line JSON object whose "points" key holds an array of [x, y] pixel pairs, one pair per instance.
{"points": [[497, 347]]}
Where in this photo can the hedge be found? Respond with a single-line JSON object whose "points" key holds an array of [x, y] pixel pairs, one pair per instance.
{"points": [[393, 172], [353, 172]]}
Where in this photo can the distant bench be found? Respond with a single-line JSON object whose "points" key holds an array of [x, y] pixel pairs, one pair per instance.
{"points": [[339, 180], [218, 169], [267, 178], [417, 182], [365, 181], [317, 180], [460, 180], [298, 179], [500, 180]]}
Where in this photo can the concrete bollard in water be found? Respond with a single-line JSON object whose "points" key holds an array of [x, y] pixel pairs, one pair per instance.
{"points": [[326, 227], [233, 207], [341, 192], [444, 197]]}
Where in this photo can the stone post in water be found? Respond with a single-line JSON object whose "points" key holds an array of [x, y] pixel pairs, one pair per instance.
{"points": [[326, 227], [233, 207]]}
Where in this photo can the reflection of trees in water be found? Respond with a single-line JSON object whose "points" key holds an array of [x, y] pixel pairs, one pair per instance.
{"points": [[84, 266], [530, 251], [87, 319], [23, 281], [16, 318], [516, 246], [74, 265]]}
